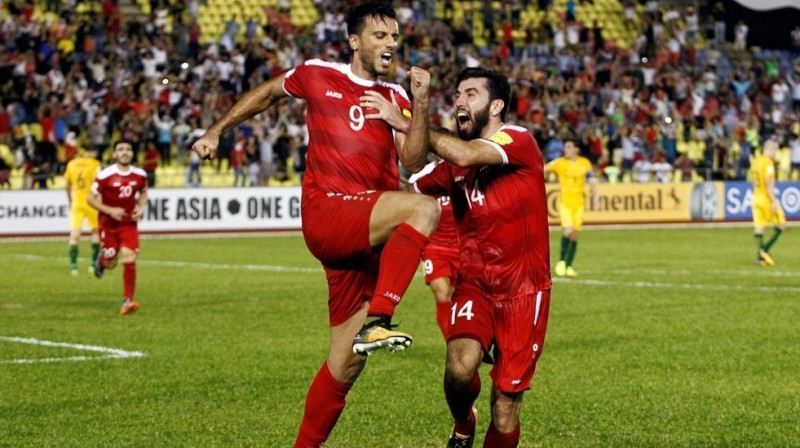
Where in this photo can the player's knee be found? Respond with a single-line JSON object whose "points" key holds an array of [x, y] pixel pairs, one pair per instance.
{"points": [[127, 256], [442, 292], [504, 420], [458, 371], [457, 375], [426, 214], [505, 410]]}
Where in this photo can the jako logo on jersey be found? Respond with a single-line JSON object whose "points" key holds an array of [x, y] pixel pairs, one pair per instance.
{"points": [[333, 94]]}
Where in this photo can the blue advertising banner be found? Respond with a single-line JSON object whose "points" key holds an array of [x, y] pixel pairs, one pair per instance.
{"points": [[739, 199]]}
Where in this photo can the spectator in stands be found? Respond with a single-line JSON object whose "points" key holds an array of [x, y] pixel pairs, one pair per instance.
{"points": [[794, 148], [642, 168], [163, 124], [719, 13], [238, 161], [661, 169], [692, 23], [685, 166], [253, 160], [628, 140], [554, 147], [740, 32], [180, 135], [6, 163], [150, 165]]}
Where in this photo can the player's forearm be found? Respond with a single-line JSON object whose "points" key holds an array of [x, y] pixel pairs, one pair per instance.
{"points": [[141, 201], [462, 153], [251, 103], [415, 150], [96, 203]]}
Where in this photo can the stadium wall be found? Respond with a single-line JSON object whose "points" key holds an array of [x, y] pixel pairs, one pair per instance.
{"points": [[180, 210]]}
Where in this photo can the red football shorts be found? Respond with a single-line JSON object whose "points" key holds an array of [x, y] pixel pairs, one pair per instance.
{"points": [[336, 231], [515, 327], [439, 261], [119, 235]]}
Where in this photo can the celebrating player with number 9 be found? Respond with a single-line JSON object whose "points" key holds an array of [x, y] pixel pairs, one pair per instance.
{"points": [[367, 234]]}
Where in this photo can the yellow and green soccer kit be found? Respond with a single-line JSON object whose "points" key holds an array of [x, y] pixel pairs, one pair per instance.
{"points": [[80, 174], [761, 169], [572, 177]]}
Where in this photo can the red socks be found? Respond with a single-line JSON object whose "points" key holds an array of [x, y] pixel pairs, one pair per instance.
{"points": [[128, 280], [443, 317], [497, 439], [460, 403], [324, 403], [399, 262]]}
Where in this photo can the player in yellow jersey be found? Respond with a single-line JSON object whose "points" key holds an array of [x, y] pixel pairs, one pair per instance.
{"points": [[766, 208], [80, 174], [573, 172]]}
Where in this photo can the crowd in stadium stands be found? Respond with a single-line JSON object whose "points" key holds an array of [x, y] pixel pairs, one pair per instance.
{"points": [[675, 106]]}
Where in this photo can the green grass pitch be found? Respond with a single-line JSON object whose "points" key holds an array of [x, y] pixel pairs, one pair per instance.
{"points": [[670, 338]]}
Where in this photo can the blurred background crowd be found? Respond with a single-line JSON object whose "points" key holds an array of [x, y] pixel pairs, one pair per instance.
{"points": [[653, 91]]}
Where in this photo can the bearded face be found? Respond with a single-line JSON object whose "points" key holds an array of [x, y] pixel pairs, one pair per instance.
{"points": [[471, 124]]}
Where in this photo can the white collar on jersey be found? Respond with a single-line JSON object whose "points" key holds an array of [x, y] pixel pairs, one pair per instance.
{"points": [[358, 80]]}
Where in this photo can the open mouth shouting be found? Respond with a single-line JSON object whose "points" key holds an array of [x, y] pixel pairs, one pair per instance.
{"points": [[463, 118], [386, 59]]}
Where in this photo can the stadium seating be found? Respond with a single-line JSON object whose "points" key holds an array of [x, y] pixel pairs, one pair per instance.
{"points": [[609, 14], [214, 15]]}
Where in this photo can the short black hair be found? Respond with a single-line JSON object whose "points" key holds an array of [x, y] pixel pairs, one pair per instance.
{"points": [[357, 15], [121, 141], [499, 88]]}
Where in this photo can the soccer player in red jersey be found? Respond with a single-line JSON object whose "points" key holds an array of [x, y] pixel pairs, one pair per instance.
{"points": [[119, 193], [500, 306], [367, 234]]}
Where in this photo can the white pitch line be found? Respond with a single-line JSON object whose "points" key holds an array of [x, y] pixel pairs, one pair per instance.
{"points": [[666, 285], [188, 264], [51, 360], [109, 353], [756, 271], [635, 284]]}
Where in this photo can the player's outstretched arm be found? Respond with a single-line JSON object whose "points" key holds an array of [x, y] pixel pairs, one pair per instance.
{"points": [[463, 153], [251, 103]]}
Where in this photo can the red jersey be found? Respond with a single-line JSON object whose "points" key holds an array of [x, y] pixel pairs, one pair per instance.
{"points": [[347, 153], [500, 213], [119, 189], [445, 234]]}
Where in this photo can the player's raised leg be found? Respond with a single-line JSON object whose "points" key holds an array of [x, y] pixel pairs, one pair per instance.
{"points": [[402, 223]]}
